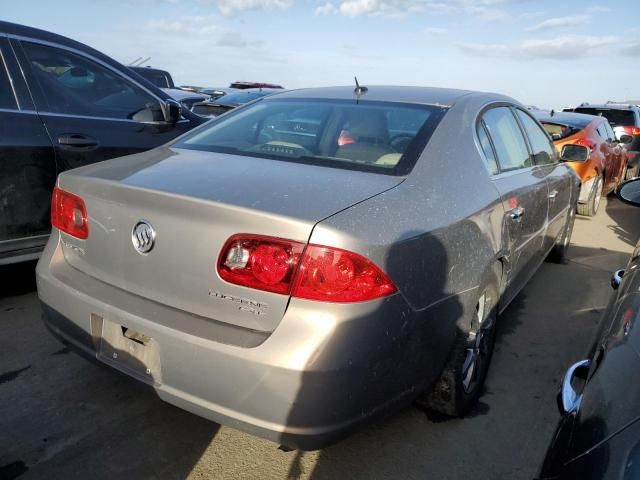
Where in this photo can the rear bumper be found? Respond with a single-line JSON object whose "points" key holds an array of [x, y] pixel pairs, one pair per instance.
{"points": [[307, 384]]}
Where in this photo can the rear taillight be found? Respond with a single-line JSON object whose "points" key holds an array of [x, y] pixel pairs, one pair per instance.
{"points": [[313, 272], [586, 143], [334, 275], [69, 214], [264, 263], [631, 130]]}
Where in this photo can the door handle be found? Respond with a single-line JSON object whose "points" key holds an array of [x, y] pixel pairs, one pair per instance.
{"points": [[77, 140], [569, 398], [553, 195], [516, 213]]}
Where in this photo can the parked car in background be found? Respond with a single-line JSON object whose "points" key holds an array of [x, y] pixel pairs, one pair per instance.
{"points": [[64, 105], [231, 100], [160, 78], [320, 283], [625, 120], [598, 436], [245, 85], [190, 88], [216, 93], [187, 98], [588, 144]]}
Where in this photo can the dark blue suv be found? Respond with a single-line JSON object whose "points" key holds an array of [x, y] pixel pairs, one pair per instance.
{"points": [[63, 105]]}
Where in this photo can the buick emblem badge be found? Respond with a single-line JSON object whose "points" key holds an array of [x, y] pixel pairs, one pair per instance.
{"points": [[143, 237]]}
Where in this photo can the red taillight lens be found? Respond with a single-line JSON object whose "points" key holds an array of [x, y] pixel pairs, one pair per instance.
{"points": [[586, 143], [631, 130], [635, 131], [69, 214], [265, 263], [314, 273]]}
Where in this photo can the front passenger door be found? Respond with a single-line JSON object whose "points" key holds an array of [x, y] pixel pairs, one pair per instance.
{"points": [[92, 111], [524, 196]]}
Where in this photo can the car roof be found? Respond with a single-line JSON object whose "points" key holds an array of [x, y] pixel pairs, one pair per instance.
{"points": [[580, 120], [178, 94], [148, 69], [383, 93], [23, 30], [608, 106]]}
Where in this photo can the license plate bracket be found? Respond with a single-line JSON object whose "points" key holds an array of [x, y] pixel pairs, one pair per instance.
{"points": [[130, 351]]}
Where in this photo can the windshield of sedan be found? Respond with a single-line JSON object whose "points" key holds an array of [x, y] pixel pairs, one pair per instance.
{"points": [[365, 135]]}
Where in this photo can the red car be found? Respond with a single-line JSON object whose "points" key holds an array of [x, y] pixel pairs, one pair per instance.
{"points": [[588, 144]]}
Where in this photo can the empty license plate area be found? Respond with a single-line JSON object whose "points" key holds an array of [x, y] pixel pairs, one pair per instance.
{"points": [[131, 351]]}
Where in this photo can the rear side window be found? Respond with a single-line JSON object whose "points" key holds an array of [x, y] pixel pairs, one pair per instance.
{"points": [[372, 136], [75, 85], [509, 143], [558, 131], [543, 150], [616, 117], [7, 100], [489, 157]]}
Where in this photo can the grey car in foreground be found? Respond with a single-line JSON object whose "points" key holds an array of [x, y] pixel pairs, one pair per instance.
{"points": [[312, 259]]}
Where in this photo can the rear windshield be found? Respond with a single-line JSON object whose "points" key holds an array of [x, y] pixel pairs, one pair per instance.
{"points": [[371, 136], [558, 131], [615, 117]]}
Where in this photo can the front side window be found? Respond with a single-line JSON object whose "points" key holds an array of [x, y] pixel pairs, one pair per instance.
{"points": [[509, 143], [365, 135], [7, 100], [544, 152], [76, 85]]}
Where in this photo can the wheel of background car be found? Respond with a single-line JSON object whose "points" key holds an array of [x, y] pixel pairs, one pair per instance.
{"points": [[400, 142], [460, 383], [590, 208], [632, 172]]}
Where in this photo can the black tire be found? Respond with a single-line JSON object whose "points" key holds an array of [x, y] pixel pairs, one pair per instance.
{"points": [[460, 384], [632, 172], [558, 253], [590, 208]]}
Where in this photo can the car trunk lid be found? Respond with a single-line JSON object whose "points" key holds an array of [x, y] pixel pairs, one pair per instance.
{"points": [[195, 201]]}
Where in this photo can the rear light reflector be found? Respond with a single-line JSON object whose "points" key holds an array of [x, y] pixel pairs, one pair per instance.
{"points": [[69, 214], [632, 130], [313, 272]]}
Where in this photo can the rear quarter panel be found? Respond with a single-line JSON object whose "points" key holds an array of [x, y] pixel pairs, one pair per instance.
{"points": [[436, 235]]}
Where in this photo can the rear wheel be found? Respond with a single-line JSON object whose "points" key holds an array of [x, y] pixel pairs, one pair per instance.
{"points": [[590, 208], [460, 383], [559, 251]]}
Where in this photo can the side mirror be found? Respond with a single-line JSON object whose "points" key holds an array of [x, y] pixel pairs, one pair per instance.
{"points": [[171, 110], [626, 139], [629, 192], [575, 153]]}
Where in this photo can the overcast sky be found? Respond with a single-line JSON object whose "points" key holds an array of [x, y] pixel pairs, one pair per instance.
{"points": [[547, 52]]}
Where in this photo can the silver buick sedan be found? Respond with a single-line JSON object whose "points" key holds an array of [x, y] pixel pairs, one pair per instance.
{"points": [[312, 259]]}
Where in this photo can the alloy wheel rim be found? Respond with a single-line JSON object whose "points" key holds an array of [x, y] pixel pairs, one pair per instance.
{"points": [[598, 196], [478, 345]]}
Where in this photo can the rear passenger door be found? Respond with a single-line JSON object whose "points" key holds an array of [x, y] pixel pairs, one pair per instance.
{"points": [[558, 175], [27, 166], [523, 190]]}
